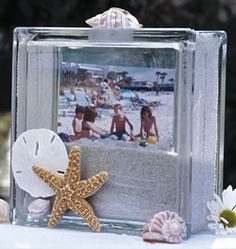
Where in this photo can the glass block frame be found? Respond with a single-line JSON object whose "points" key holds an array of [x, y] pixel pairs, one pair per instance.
{"points": [[199, 116]]}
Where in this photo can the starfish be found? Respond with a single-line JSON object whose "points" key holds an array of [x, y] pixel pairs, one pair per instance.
{"points": [[71, 191]]}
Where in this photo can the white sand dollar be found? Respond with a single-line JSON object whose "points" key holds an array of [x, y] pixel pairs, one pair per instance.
{"points": [[39, 147]]}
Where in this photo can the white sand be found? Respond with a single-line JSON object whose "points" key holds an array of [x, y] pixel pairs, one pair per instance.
{"points": [[139, 184]]}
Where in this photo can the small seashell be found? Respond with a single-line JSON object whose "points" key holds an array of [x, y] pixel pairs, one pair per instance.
{"points": [[165, 226], [4, 211], [39, 208], [39, 147], [114, 18]]}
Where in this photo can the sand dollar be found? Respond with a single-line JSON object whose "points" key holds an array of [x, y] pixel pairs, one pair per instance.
{"points": [[39, 147]]}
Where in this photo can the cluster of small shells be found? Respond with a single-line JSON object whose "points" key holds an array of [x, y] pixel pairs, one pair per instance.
{"points": [[114, 18], [4, 211], [165, 226]]}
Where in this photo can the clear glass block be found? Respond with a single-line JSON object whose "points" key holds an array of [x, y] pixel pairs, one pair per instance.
{"points": [[178, 74]]}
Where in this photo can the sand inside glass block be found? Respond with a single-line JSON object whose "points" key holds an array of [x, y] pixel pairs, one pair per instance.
{"points": [[140, 182]]}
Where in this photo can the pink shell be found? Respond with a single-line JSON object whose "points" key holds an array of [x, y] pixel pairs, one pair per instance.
{"points": [[165, 226], [39, 208], [114, 18]]}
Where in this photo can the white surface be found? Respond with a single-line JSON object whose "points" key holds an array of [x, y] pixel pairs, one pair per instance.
{"points": [[42, 238]]}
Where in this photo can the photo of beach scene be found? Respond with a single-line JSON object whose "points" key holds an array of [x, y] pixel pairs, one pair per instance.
{"points": [[116, 106]]}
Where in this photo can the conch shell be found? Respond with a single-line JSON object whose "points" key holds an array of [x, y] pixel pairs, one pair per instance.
{"points": [[165, 226], [4, 211], [114, 18]]}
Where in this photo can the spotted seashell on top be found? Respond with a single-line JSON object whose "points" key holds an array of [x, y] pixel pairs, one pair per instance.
{"points": [[114, 18], [4, 211], [165, 226]]}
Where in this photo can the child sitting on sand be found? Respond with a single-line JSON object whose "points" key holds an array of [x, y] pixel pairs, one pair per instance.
{"points": [[77, 122], [78, 118], [88, 124], [148, 124], [118, 123]]}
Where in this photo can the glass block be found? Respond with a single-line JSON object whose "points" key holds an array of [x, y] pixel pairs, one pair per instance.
{"points": [[152, 116]]}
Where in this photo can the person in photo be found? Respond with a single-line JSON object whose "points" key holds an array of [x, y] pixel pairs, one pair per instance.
{"points": [[118, 124], [77, 123], [148, 125], [89, 125]]}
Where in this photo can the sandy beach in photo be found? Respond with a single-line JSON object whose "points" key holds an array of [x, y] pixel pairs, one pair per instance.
{"points": [[163, 113], [117, 97]]}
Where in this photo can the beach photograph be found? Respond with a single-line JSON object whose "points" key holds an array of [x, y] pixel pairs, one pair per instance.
{"points": [[116, 105]]}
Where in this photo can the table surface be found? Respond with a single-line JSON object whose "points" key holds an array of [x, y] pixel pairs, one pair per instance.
{"points": [[19, 237]]}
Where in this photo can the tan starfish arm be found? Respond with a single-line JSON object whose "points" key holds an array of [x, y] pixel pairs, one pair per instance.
{"points": [[88, 187], [82, 208], [72, 173], [59, 208], [53, 181]]}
